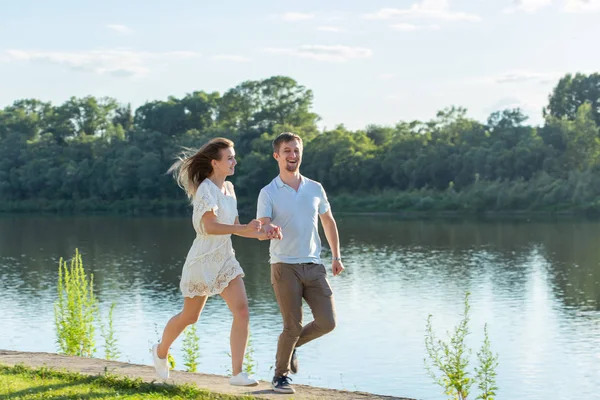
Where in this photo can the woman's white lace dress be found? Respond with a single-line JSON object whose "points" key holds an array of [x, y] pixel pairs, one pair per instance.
{"points": [[211, 264]]}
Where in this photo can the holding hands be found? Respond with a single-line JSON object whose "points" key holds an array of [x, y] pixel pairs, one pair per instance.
{"points": [[265, 232], [253, 226], [273, 231]]}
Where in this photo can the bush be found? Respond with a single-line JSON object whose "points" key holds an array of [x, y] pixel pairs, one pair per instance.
{"points": [[75, 309], [451, 358]]}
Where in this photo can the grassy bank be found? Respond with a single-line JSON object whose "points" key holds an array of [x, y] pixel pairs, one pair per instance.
{"points": [[23, 383]]}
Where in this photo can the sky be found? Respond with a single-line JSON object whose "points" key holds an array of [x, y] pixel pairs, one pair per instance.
{"points": [[376, 62]]}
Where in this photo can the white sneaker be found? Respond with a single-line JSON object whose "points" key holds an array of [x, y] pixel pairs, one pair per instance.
{"points": [[161, 365], [242, 379]]}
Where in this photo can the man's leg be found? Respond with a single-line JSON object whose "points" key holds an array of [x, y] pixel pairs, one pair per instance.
{"points": [[319, 296], [288, 291]]}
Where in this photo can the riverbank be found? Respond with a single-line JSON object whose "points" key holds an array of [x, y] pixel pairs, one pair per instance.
{"points": [[540, 196], [213, 383], [183, 209]]}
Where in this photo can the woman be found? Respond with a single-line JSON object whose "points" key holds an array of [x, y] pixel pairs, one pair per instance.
{"points": [[211, 267]]}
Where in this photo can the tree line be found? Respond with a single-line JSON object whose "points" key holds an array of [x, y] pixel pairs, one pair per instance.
{"points": [[96, 154]]}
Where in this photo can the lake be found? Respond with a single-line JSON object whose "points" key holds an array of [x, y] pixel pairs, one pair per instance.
{"points": [[535, 283]]}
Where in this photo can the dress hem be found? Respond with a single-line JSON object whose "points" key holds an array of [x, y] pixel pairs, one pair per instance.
{"points": [[215, 292]]}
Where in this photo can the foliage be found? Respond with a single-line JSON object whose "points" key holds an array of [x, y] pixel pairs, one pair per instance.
{"points": [[571, 92], [108, 333], [75, 309], [249, 363], [20, 381], [94, 154], [451, 359], [191, 348], [486, 372]]}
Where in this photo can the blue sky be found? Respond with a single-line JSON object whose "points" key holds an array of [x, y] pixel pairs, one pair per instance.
{"points": [[366, 62]]}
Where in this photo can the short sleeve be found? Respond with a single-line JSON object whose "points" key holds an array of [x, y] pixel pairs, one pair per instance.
{"points": [[230, 189], [231, 192], [264, 207], [204, 201], [323, 203]]}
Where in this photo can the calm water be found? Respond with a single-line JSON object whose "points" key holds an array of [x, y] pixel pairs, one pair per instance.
{"points": [[536, 284]]}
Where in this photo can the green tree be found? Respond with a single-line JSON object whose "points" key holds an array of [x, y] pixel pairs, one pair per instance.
{"points": [[89, 115], [581, 138], [263, 104], [571, 92]]}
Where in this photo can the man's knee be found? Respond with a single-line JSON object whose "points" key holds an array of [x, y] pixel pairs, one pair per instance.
{"points": [[292, 330], [327, 324]]}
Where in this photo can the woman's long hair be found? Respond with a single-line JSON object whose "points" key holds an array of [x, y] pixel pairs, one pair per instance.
{"points": [[192, 168]]}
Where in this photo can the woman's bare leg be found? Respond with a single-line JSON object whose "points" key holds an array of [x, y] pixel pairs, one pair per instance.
{"points": [[235, 297], [192, 307]]}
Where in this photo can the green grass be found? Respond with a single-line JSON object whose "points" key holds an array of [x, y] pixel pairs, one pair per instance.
{"points": [[24, 383]]}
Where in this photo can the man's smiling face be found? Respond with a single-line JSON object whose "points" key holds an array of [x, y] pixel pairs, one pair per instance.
{"points": [[289, 156]]}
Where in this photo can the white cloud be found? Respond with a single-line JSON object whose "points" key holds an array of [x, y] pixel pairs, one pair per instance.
{"points": [[231, 57], [580, 6], [411, 28], [387, 76], [426, 9], [526, 76], [325, 53], [296, 16], [176, 54], [119, 63], [335, 29], [531, 107], [570, 6], [528, 6], [506, 103], [122, 29]]}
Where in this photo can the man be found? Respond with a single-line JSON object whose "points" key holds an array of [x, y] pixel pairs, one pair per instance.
{"points": [[292, 203]]}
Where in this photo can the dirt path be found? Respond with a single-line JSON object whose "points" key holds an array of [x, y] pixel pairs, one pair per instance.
{"points": [[214, 383]]}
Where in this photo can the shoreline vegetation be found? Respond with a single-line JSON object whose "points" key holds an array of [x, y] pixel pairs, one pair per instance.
{"points": [[96, 155], [34, 375], [20, 382], [422, 204]]}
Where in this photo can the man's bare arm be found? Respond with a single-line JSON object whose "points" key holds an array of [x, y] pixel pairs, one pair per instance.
{"points": [[333, 238]]}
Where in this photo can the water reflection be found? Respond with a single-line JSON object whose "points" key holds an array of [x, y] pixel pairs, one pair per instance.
{"points": [[536, 283]]}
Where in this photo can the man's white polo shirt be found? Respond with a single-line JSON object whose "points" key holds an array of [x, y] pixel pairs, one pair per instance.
{"points": [[297, 213]]}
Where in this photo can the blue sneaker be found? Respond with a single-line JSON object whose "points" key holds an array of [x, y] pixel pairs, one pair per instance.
{"points": [[281, 384]]}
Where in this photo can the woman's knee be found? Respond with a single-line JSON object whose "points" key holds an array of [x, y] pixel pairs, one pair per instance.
{"points": [[192, 308], [190, 318], [241, 312]]}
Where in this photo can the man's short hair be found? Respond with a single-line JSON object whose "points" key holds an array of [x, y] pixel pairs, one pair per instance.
{"points": [[284, 138]]}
